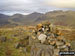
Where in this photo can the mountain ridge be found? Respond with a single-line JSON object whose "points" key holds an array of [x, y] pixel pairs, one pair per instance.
{"points": [[60, 17]]}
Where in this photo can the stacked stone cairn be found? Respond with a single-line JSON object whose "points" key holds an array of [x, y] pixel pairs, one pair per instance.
{"points": [[48, 34]]}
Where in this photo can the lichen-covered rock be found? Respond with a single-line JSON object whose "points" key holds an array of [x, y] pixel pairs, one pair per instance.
{"points": [[56, 52], [42, 38], [42, 50]]}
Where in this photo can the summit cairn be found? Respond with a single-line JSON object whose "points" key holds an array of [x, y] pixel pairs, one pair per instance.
{"points": [[47, 34]]}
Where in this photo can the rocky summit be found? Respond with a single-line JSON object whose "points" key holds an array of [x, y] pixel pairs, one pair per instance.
{"points": [[43, 39], [47, 36]]}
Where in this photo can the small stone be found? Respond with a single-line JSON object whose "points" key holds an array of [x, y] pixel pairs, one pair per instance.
{"points": [[42, 37], [56, 52], [58, 43], [33, 37]]}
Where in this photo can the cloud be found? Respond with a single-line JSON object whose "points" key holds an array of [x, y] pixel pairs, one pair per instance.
{"points": [[29, 6], [20, 6], [61, 3]]}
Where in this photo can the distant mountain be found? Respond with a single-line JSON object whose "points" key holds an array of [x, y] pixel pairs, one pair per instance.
{"points": [[66, 18], [4, 19], [25, 19]]}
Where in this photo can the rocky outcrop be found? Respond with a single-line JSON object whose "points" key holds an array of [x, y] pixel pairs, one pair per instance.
{"points": [[42, 50], [51, 40]]}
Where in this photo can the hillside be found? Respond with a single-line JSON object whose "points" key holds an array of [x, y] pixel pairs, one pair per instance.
{"points": [[18, 19], [4, 19], [25, 19], [64, 18]]}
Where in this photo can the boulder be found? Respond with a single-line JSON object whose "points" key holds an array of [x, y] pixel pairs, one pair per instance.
{"points": [[60, 38], [59, 43], [42, 37], [56, 52], [42, 50]]}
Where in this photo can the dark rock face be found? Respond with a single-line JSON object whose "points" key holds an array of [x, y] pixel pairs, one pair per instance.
{"points": [[42, 50]]}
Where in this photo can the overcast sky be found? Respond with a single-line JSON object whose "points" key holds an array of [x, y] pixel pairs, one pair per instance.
{"points": [[29, 6]]}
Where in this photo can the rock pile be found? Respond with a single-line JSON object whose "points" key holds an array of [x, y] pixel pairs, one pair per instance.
{"points": [[48, 34]]}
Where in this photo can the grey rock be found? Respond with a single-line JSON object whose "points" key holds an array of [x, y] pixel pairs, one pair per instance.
{"points": [[42, 50]]}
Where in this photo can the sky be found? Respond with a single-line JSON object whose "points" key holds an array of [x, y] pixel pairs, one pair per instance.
{"points": [[28, 6]]}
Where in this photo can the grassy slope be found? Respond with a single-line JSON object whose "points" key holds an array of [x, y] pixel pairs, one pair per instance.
{"points": [[18, 35]]}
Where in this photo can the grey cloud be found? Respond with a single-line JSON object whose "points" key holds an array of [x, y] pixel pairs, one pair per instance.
{"points": [[26, 6]]}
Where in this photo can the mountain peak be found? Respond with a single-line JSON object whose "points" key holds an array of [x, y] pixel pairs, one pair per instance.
{"points": [[17, 14], [36, 13]]}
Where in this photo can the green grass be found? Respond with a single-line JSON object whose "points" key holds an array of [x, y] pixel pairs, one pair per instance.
{"points": [[15, 36]]}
